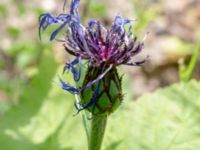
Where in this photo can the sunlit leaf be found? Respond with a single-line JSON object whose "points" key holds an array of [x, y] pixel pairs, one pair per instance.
{"points": [[29, 105], [167, 119]]}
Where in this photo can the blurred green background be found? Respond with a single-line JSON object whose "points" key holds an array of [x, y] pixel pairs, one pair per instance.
{"points": [[36, 114]]}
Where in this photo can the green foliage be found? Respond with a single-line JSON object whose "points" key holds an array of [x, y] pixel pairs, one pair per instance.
{"points": [[97, 8], [146, 13], [43, 117], [13, 31], [24, 52], [166, 119], [185, 72], [2, 10], [21, 7]]}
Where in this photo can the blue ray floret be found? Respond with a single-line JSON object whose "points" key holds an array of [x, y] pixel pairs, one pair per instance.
{"points": [[69, 88], [81, 106], [100, 47], [71, 66], [93, 99]]}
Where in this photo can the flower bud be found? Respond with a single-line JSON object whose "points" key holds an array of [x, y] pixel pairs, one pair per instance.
{"points": [[108, 91]]}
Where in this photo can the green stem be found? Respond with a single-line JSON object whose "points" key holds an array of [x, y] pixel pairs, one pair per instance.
{"points": [[98, 125], [86, 125], [187, 71]]}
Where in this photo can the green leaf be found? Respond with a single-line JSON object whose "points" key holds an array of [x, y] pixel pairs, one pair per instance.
{"points": [[167, 119], [13, 31], [30, 103], [43, 119], [97, 8], [3, 10]]}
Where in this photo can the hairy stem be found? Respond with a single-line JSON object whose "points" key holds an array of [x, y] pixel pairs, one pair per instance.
{"points": [[98, 125]]}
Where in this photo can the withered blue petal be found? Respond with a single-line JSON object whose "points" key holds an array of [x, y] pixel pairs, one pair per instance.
{"points": [[91, 83], [91, 23], [74, 8], [94, 98], [44, 22], [137, 63], [53, 35], [119, 24], [72, 67], [69, 88]]}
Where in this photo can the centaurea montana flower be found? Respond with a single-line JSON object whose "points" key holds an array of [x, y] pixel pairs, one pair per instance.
{"points": [[103, 49]]}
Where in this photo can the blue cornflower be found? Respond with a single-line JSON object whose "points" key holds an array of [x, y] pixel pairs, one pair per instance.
{"points": [[104, 49]]}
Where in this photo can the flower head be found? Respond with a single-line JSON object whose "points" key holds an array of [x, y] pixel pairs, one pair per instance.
{"points": [[104, 49]]}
